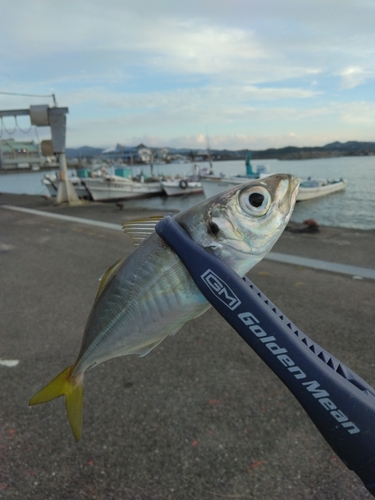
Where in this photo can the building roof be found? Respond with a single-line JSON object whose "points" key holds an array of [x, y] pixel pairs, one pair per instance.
{"points": [[11, 145]]}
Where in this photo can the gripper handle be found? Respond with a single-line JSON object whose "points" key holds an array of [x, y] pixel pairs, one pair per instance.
{"points": [[339, 402]]}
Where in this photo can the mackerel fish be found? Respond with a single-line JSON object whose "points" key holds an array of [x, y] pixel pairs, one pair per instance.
{"points": [[149, 294]]}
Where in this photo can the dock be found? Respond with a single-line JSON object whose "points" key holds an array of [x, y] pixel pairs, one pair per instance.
{"points": [[201, 416]]}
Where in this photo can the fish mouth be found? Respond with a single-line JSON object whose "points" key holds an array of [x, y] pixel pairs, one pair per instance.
{"points": [[294, 187], [290, 196]]}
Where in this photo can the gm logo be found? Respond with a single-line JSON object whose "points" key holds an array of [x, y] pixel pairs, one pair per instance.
{"points": [[219, 288]]}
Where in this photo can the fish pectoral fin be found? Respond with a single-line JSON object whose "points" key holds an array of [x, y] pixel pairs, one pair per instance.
{"points": [[145, 350], [72, 388], [176, 330], [142, 351], [141, 229]]}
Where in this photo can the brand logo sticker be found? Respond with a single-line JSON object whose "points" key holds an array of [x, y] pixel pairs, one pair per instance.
{"points": [[219, 288]]}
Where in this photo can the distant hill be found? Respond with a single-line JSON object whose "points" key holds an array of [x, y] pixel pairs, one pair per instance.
{"points": [[350, 148]]}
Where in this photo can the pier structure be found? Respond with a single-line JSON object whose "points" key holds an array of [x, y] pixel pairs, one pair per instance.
{"points": [[202, 404], [201, 416], [42, 115]]}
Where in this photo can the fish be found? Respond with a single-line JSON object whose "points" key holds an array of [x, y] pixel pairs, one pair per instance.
{"points": [[148, 295]]}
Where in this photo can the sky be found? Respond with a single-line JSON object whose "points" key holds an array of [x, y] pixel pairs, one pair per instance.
{"points": [[252, 74]]}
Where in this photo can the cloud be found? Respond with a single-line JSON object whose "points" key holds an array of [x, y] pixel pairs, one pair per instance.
{"points": [[158, 67], [252, 126], [353, 76], [362, 113], [180, 99], [264, 42]]}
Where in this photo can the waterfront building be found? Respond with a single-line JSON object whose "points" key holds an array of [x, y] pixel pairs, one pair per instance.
{"points": [[137, 154], [20, 154]]}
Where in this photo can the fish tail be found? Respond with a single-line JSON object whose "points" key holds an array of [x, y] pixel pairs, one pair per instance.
{"points": [[72, 388]]}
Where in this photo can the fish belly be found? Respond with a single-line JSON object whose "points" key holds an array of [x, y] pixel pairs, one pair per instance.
{"points": [[150, 297]]}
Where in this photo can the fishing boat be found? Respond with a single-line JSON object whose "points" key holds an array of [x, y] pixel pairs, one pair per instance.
{"points": [[181, 187], [51, 182], [116, 187], [313, 188], [187, 185], [213, 185]]}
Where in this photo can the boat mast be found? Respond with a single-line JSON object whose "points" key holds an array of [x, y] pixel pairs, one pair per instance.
{"points": [[249, 168], [208, 151]]}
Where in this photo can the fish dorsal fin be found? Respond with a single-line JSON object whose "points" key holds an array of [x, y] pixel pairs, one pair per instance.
{"points": [[141, 229], [104, 279]]}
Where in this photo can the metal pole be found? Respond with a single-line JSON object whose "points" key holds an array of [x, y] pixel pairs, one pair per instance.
{"points": [[57, 120], [65, 190]]}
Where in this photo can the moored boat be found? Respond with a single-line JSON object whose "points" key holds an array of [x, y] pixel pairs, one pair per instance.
{"points": [[51, 182], [187, 185], [313, 188], [213, 185], [115, 187], [181, 187]]}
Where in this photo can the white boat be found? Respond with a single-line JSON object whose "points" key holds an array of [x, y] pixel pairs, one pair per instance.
{"points": [[181, 187], [213, 185], [188, 185], [115, 187], [312, 188], [51, 182]]}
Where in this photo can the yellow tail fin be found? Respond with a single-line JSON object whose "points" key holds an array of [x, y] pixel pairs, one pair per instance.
{"points": [[73, 390]]}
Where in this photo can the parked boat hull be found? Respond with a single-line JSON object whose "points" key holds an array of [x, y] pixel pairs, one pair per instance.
{"points": [[52, 185], [309, 193], [117, 189], [180, 188], [214, 185]]}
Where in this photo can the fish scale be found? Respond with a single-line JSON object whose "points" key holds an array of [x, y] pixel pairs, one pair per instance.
{"points": [[143, 311]]}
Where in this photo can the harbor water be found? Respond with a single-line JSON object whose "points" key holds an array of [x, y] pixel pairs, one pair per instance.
{"points": [[352, 208]]}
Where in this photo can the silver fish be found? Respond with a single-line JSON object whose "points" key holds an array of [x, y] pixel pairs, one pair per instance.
{"points": [[149, 295]]}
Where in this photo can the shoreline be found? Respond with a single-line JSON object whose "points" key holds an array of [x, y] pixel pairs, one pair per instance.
{"points": [[45, 202], [329, 245], [285, 157]]}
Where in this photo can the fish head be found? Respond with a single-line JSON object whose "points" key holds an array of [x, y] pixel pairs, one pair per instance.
{"points": [[242, 224]]}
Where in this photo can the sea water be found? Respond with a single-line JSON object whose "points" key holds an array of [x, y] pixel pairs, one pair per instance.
{"points": [[354, 207]]}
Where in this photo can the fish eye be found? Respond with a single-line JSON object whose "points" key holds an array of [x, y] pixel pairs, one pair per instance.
{"points": [[255, 200]]}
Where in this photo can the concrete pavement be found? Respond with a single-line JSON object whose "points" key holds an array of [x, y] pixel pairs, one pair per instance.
{"points": [[201, 416]]}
